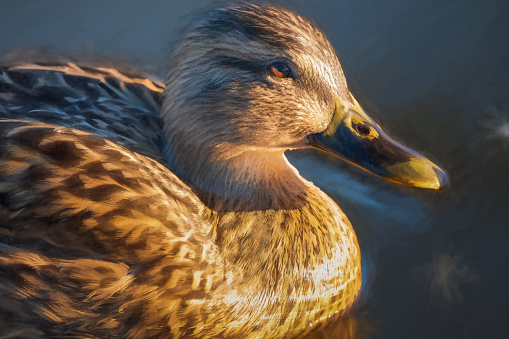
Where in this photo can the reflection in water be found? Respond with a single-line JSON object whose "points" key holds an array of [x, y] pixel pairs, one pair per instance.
{"points": [[446, 274], [497, 123]]}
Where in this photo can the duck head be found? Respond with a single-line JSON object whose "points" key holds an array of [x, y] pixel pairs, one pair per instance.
{"points": [[251, 81]]}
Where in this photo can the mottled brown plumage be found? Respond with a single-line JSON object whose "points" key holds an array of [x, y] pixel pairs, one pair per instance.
{"points": [[99, 239]]}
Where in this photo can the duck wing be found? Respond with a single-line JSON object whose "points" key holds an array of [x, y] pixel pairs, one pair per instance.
{"points": [[99, 100], [95, 240]]}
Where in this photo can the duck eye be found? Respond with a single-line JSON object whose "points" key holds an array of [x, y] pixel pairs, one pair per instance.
{"points": [[363, 130], [280, 70]]}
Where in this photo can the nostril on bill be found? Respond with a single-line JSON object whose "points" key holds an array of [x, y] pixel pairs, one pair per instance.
{"points": [[363, 130]]}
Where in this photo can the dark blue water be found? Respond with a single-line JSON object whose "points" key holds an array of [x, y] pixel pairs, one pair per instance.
{"points": [[434, 73]]}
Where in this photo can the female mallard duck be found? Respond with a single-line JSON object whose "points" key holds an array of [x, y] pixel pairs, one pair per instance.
{"points": [[100, 240]]}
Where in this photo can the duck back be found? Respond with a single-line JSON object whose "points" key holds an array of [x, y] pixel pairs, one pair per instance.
{"points": [[95, 240], [99, 100]]}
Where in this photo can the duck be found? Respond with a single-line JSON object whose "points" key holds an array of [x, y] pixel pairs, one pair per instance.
{"points": [[132, 208]]}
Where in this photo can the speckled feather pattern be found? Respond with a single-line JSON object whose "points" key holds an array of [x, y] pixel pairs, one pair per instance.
{"points": [[99, 239], [92, 234], [86, 98]]}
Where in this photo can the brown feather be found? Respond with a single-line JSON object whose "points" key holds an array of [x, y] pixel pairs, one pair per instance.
{"points": [[102, 241]]}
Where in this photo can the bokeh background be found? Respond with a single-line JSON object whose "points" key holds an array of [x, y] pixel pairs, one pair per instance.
{"points": [[435, 73]]}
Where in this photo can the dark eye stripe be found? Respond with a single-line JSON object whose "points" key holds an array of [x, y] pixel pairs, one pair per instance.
{"points": [[280, 70]]}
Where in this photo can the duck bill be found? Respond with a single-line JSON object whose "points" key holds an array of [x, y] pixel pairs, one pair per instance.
{"points": [[353, 136]]}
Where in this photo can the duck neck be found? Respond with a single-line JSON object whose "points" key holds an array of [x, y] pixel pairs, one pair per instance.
{"points": [[249, 180]]}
